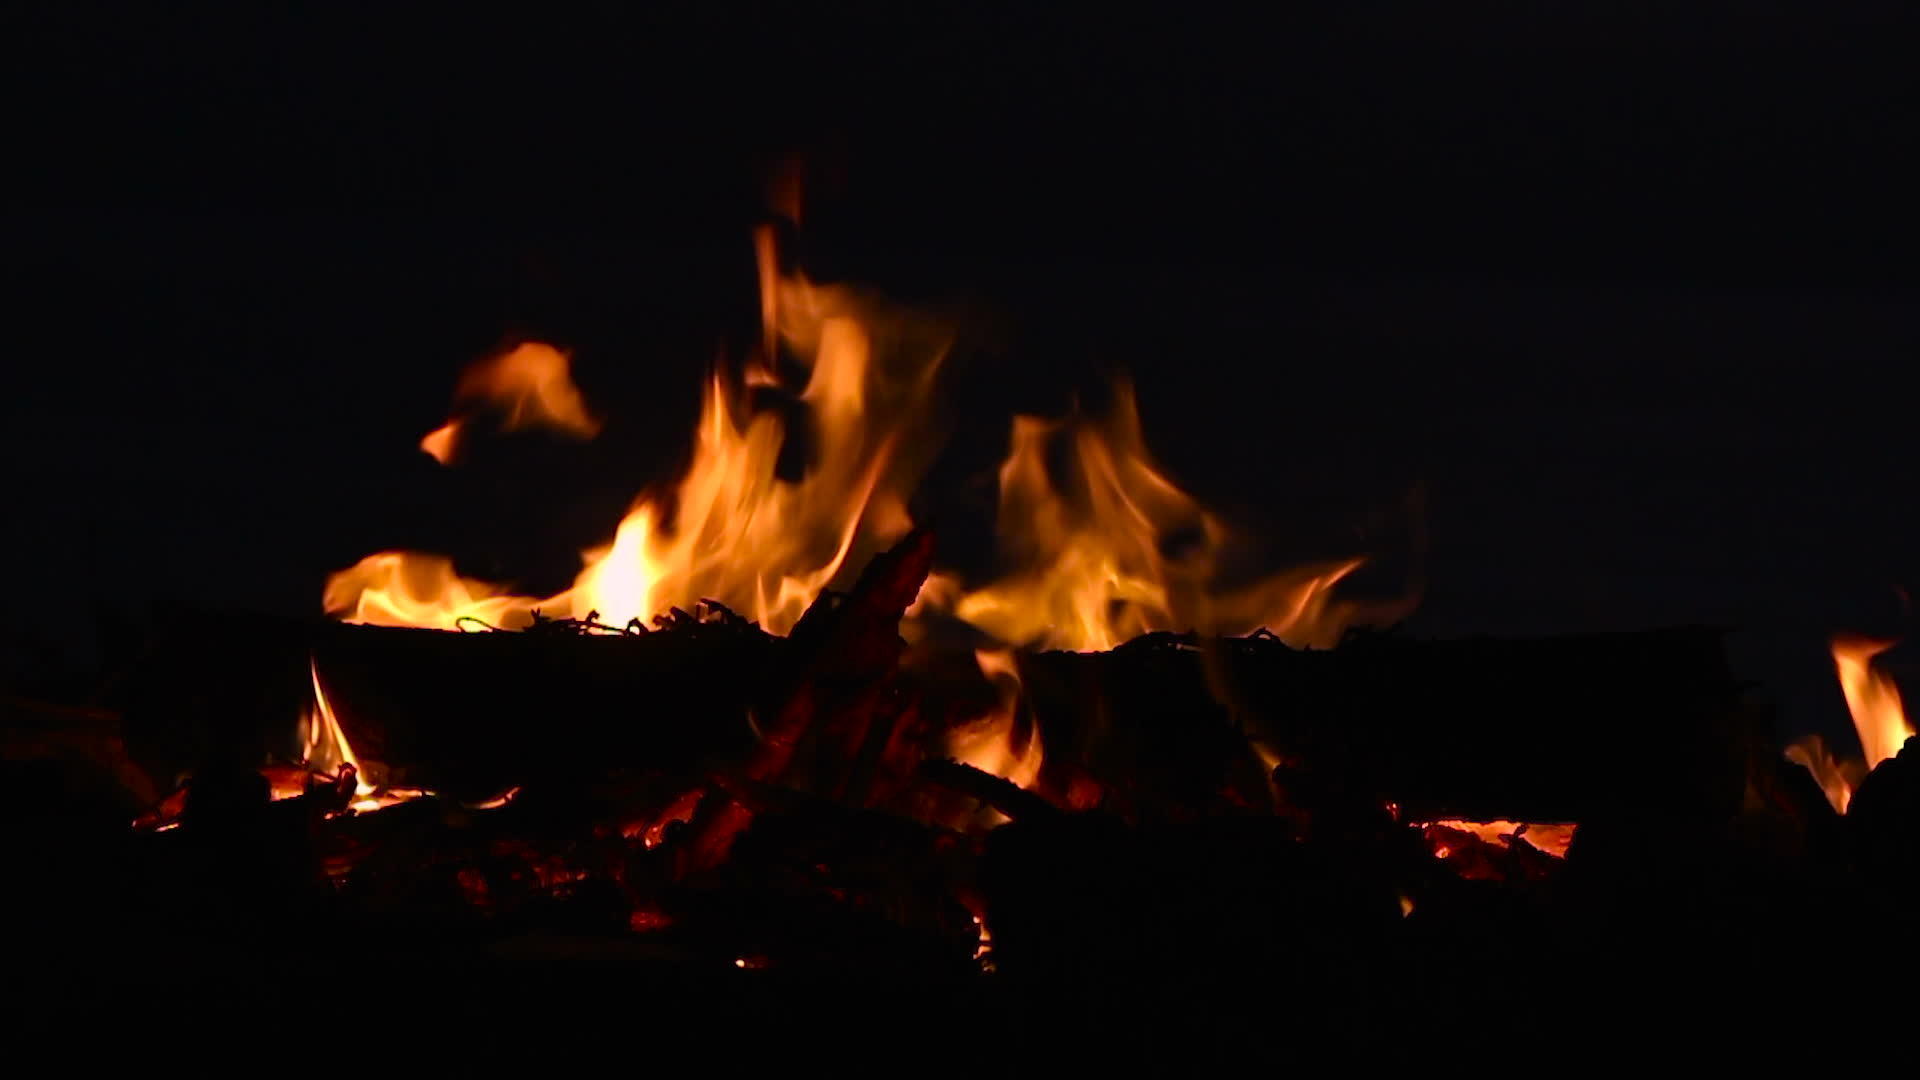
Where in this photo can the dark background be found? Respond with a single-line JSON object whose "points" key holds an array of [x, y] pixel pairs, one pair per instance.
{"points": [[1593, 315]]}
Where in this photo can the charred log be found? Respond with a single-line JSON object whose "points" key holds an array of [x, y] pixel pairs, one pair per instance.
{"points": [[467, 714], [1642, 725]]}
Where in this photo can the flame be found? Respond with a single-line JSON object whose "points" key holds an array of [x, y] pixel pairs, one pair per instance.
{"points": [[532, 387], [733, 530], [995, 742], [1837, 776], [327, 751], [1872, 698], [1105, 551], [439, 443], [396, 588], [983, 946], [1120, 551], [327, 748], [1879, 718]]}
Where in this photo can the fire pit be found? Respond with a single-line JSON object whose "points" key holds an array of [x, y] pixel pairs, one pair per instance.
{"points": [[770, 763]]}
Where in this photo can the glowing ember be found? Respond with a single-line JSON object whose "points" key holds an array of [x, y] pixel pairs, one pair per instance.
{"points": [[497, 801], [653, 833], [1552, 839], [642, 921], [530, 385]]}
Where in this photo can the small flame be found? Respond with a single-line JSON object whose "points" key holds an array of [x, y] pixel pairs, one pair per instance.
{"points": [[1837, 776], [983, 946], [327, 752], [995, 743], [532, 386]]}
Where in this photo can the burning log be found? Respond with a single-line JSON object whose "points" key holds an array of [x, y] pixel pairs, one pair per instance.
{"points": [[833, 687], [466, 714]]}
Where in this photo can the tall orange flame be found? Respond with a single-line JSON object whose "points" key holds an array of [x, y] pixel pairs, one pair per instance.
{"points": [[1879, 718], [1872, 698], [734, 531], [532, 386]]}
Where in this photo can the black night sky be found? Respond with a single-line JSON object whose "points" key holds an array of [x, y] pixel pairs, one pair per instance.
{"points": [[1612, 313]]}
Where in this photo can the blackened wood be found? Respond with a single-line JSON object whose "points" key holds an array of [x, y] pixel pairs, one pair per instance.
{"points": [[1009, 798], [844, 659], [1884, 825], [1645, 725], [468, 714], [1555, 729]]}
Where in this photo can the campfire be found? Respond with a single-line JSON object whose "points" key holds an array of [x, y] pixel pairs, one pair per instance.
{"points": [[768, 729]]}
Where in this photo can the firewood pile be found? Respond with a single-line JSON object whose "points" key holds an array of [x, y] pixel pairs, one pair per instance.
{"points": [[1267, 850]]}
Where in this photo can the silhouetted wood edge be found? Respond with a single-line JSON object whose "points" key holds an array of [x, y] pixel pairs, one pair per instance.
{"points": [[1017, 803], [464, 713], [1547, 729], [1570, 728]]}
